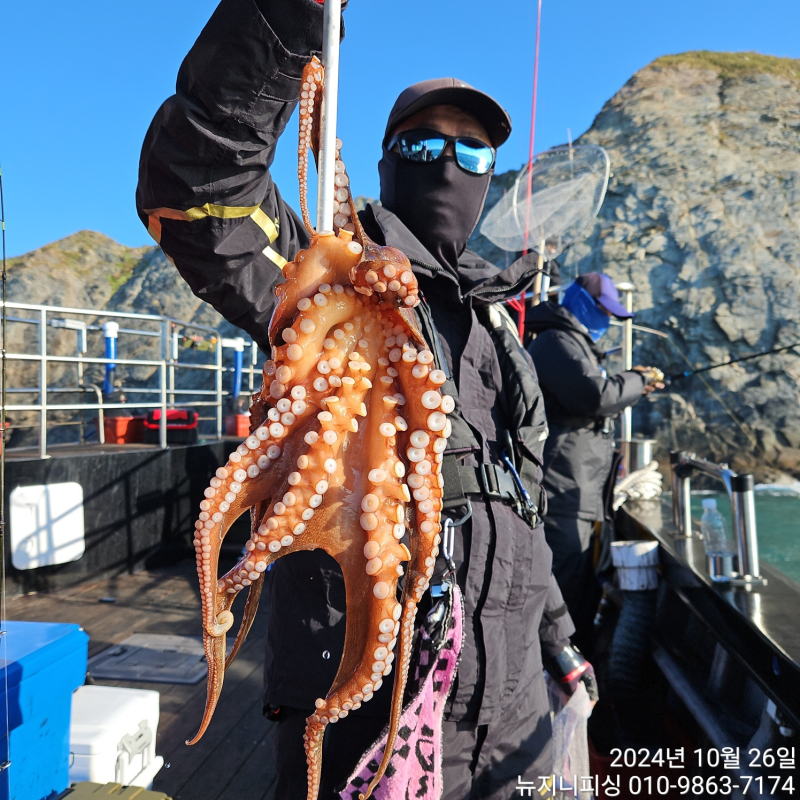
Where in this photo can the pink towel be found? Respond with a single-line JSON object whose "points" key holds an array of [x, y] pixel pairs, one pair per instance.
{"points": [[415, 770]]}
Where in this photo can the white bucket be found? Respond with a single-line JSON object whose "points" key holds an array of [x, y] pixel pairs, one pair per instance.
{"points": [[637, 565]]}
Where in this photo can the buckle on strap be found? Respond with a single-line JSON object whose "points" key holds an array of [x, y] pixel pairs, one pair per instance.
{"points": [[497, 484]]}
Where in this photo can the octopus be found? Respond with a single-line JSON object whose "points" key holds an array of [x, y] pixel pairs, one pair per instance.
{"points": [[347, 438]]}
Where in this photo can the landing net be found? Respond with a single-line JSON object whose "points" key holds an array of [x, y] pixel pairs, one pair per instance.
{"points": [[552, 202]]}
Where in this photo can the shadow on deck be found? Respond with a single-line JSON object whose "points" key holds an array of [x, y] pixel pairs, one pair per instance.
{"points": [[233, 760]]}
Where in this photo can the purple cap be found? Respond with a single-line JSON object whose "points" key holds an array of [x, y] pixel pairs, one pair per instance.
{"points": [[602, 289], [451, 91]]}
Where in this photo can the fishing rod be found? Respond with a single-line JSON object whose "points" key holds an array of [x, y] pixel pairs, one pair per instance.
{"points": [[688, 373], [5, 756], [518, 303], [740, 424]]}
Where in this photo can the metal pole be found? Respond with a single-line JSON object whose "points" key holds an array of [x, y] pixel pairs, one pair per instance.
{"points": [[677, 513], [173, 359], [685, 490], [43, 383], [79, 353], [253, 363], [218, 386], [162, 382], [627, 356], [681, 493], [544, 296], [537, 288], [327, 155], [111, 334], [162, 423], [538, 281], [745, 525]]}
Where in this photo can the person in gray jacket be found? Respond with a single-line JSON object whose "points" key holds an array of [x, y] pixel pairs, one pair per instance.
{"points": [[581, 402]]}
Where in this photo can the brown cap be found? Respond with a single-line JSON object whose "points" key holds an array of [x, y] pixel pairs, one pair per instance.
{"points": [[451, 91]]}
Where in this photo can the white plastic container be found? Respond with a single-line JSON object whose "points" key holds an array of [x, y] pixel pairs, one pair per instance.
{"points": [[112, 736]]}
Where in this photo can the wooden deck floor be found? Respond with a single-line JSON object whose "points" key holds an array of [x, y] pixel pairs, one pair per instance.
{"points": [[233, 760]]}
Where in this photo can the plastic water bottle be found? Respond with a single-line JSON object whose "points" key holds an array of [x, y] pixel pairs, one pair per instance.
{"points": [[712, 525]]}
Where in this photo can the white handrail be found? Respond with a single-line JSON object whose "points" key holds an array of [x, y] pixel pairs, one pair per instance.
{"points": [[165, 366]]}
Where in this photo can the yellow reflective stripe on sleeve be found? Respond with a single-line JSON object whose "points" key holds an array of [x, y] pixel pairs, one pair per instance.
{"points": [[221, 212], [271, 230], [265, 223], [275, 258], [201, 212]]}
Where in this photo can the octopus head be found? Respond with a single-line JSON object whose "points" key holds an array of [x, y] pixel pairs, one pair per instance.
{"points": [[386, 272]]}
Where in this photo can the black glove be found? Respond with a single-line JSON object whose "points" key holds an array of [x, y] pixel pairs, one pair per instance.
{"points": [[569, 668]]}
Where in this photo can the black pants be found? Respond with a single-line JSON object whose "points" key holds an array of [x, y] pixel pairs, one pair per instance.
{"points": [[571, 541], [481, 762]]}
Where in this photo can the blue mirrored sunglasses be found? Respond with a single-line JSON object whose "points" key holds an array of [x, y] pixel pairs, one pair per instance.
{"points": [[424, 146]]}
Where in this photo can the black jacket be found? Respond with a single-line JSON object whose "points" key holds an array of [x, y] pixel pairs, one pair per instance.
{"points": [[206, 193], [579, 398]]}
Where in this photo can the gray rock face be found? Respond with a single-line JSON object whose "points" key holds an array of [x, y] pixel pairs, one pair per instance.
{"points": [[702, 215]]}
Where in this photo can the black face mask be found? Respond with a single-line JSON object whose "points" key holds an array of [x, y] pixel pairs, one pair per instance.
{"points": [[439, 202]]}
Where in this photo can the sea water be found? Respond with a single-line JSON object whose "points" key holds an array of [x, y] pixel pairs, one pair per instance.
{"points": [[777, 519]]}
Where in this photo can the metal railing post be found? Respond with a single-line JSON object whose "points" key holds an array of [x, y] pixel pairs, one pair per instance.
{"points": [[80, 349], [174, 339], [685, 491], [162, 383], [162, 423], [626, 289], [43, 383], [218, 386], [101, 423], [744, 519], [681, 494], [253, 362], [741, 493]]}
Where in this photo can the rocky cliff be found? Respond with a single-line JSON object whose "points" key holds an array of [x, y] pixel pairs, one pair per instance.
{"points": [[702, 215]]}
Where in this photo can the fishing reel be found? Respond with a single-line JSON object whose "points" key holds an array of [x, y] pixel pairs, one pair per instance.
{"points": [[652, 375]]}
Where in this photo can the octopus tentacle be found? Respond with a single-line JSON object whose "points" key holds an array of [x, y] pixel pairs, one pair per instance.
{"points": [[328, 259], [424, 481], [304, 340], [248, 617], [310, 98], [303, 489], [382, 518], [240, 484], [386, 272]]}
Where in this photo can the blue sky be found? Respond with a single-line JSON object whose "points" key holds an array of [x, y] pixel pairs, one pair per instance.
{"points": [[82, 80]]}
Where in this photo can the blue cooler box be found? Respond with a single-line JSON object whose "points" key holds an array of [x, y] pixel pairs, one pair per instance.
{"points": [[44, 663]]}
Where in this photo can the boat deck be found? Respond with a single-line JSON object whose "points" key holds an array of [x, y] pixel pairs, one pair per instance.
{"points": [[232, 760]]}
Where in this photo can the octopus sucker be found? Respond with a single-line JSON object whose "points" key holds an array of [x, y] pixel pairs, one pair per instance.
{"points": [[344, 455]]}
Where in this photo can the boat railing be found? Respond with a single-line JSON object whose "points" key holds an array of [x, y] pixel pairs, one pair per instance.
{"points": [[162, 393], [741, 494]]}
